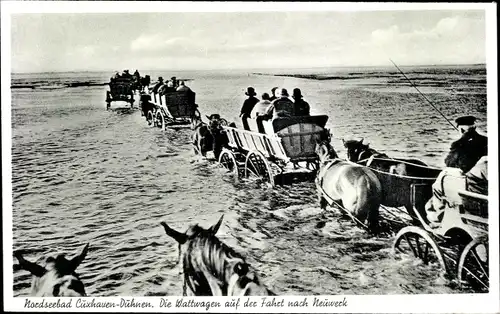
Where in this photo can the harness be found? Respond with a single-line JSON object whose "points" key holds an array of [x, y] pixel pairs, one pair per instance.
{"points": [[319, 186], [329, 163]]}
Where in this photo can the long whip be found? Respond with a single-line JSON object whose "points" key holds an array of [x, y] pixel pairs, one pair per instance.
{"points": [[411, 83]]}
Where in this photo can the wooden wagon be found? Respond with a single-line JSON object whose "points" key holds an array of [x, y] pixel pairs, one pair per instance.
{"points": [[285, 153], [459, 243], [177, 108], [120, 89]]}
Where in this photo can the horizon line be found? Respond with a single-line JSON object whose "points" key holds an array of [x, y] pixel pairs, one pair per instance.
{"points": [[269, 68]]}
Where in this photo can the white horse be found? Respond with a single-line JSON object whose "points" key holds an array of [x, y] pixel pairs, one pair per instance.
{"points": [[357, 189]]}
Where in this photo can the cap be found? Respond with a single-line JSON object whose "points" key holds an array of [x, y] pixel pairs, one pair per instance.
{"points": [[465, 120]]}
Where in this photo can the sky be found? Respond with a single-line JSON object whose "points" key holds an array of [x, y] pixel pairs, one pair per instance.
{"points": [[244, 40]]}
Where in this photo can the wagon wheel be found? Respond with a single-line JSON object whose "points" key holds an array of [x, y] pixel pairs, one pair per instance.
{"points": [[160, 120], [228, 161], [150, 118], [416, 241], [257, 165], [473, 265]]}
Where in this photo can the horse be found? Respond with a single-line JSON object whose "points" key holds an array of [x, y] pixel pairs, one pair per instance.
{"points": [[210, 267], [57, 278], [209, 137], [357, 189], [358, 152], [144, 82]]}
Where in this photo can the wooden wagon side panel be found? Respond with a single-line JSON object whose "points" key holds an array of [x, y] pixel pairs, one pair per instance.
{"points": [[268, 145], [299, 140], [397, 189], [181, 104], [121, 90], [474, 203]]}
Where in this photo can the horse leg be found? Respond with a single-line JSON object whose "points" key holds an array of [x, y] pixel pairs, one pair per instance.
{"points": [[322, 201]]}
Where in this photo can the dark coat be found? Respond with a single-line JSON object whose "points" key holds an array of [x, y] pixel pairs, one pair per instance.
{"points": [[466, 151], [248, 105], [301, 108]]}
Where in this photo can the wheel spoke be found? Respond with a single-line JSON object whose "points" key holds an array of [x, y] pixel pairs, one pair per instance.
{"points": [[426, 253], [419, 249], [254, 168], [477, 278], [411, 246], [479, 262]]}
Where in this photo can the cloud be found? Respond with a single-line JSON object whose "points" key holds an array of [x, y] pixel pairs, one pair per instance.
{"points": [[452, 38]]}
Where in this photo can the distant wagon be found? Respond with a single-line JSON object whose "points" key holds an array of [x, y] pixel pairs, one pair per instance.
{"points": [[121, 89], [176, 108], [286, 153]]}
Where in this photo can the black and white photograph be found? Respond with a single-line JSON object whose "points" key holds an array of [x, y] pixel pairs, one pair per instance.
{"points": [[161, 149]]}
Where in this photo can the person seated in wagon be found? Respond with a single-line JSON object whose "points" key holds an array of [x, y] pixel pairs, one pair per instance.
{"points": [[158, 85], [259, 111], [282, 106], [466, 169], [182, 87], [301, 107]]}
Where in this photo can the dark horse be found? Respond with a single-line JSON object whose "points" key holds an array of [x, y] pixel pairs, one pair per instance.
{"points": [[143, 82], [397, 176], [209, 137], [57, 278], [212, 268], [362, 153]]}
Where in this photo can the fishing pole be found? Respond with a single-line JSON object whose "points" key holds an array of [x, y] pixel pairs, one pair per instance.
{"points": [[411, 83]]}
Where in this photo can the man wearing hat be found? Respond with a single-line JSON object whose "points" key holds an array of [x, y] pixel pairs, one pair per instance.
{"points": [[174, 81], [466, 151], [247, 107], [158, 85], [273, 94], [467, 169], [282, 106], [301, 106]]}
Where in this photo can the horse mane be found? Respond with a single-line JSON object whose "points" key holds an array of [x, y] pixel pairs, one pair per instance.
{"points": [[214, 255], [332, 153], [364, 148], [214, 251]]}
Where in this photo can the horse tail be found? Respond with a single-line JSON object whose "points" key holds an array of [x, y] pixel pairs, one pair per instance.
{"points": [[368, 198]]}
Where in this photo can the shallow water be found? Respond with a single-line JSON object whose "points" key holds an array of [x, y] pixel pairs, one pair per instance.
{"points": [[82, 174]]}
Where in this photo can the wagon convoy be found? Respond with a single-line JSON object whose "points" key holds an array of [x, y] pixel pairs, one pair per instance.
{"points": [[287, 151]]}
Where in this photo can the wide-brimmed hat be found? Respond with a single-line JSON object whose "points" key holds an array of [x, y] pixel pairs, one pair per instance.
{"points": [[283, 93], [297, 93], [250, 92], [214, 116], [160, 78], [465, 120]]}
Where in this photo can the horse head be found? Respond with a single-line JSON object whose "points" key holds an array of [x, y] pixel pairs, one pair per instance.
{"points": [[355, 149], [57, 278], [325, 151], [212, 268], [215, 123]]}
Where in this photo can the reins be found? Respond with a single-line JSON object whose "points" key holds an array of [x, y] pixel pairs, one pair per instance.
{"points": [[323, 169]]}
